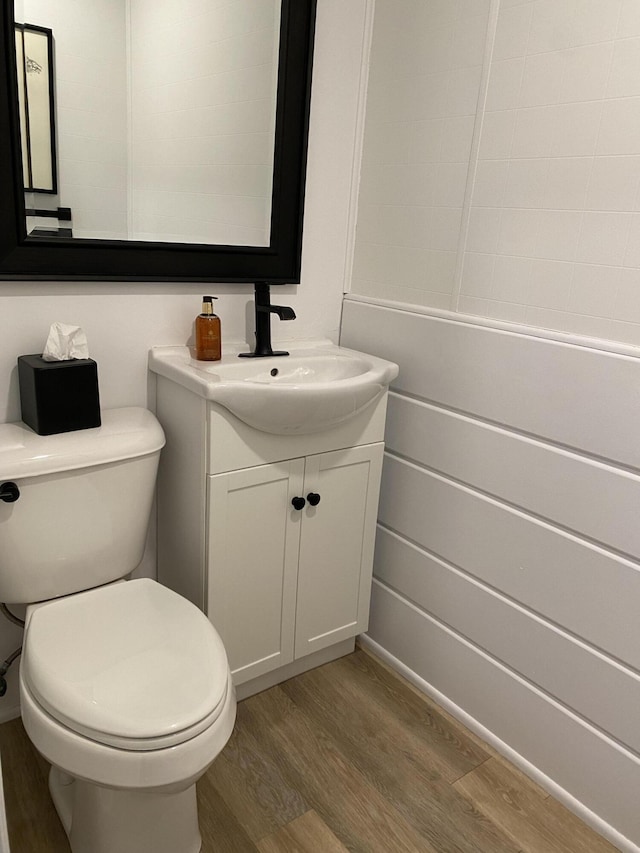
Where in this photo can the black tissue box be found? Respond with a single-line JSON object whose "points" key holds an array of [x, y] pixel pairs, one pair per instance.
{"points": [[58, 396]]}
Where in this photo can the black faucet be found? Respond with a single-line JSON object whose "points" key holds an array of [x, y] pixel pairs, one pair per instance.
{"points": [[264, 309]]}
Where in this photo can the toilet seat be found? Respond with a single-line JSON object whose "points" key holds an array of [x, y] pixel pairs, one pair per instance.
{"points": [[131, 665], [111, 767]]}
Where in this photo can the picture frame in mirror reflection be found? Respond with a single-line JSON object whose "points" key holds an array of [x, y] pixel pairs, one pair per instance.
{"points": [[35, 73]]}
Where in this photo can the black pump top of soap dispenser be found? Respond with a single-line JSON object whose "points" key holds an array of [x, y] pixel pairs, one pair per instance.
{"points": [[207, 305]]}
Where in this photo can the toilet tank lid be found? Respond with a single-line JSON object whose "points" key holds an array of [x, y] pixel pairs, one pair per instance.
{"points": [[124, 434]]}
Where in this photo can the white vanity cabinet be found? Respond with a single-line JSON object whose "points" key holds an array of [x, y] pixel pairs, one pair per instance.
{"points": [[270, 535], [286, 582]]}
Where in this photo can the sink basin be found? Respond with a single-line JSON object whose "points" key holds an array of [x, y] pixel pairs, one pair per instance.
{"points": [[316, 387]]}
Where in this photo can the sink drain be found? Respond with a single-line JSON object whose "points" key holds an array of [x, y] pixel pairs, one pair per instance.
{"points": [[274, 371]]}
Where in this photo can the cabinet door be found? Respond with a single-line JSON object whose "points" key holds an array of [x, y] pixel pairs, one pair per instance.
{"points": [[253, 540], [336, 546]]}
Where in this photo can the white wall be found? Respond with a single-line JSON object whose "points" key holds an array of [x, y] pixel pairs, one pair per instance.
{"points": [[551, 210], [123, 320], [203, 114], [507, 551], [91, 110]]}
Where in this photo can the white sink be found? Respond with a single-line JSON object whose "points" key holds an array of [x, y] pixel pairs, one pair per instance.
{"points": [[314, 388]]}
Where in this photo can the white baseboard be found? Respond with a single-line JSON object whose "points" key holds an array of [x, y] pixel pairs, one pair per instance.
{"points": [[559, 793]]}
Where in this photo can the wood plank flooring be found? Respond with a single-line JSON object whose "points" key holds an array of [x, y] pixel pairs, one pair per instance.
{"points": [[347, 757]]}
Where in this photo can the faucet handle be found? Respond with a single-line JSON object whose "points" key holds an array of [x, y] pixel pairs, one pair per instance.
{"points": [[284, 312]]}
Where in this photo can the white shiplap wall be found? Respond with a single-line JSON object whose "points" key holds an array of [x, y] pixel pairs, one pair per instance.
{"points": [[507, 569]]}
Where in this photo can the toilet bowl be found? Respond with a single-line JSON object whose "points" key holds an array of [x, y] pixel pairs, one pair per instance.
{"points": [[124, 685], [126, 691]]}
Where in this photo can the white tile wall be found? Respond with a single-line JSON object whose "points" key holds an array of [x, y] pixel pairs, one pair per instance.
{"points": [[426, 66], [552, 223], [559, 168]]}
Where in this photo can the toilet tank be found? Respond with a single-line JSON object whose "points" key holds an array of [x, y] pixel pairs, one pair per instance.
{"points": [[85, 499]]}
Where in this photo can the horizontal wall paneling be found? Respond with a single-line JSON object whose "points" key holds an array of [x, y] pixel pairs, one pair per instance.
{"points": [[589, 591], [550, 482], [508, 554], [574, 396], [547, 656], [594, 770]]}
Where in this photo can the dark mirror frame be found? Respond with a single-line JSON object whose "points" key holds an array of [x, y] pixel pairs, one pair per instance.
{"points": [[63, 259]]}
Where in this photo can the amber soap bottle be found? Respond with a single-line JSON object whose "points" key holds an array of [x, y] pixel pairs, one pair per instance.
{"points": [[208, 345]]}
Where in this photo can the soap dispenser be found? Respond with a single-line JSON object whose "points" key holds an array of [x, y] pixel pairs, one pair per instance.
{"points": [[208, 344]]}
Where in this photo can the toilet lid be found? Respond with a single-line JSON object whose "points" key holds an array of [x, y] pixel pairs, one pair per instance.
{"points": [[131, 664]]}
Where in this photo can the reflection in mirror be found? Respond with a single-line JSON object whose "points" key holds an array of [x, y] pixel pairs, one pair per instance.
{"points": [[34, 58], [165, 115]]}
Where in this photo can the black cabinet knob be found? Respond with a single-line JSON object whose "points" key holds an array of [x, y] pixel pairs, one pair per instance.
{"points": [[9, 493], [298, 503], [313, 498]]}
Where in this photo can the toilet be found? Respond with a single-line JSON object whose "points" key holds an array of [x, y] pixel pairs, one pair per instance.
{"points": [[125, 686]]}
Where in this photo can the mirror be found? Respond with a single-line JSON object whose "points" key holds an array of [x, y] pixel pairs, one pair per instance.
{"points": [[180, 132], [165, 117]]}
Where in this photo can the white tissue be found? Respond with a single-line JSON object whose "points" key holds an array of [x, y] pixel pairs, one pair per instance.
{"points": [[65, 342]]}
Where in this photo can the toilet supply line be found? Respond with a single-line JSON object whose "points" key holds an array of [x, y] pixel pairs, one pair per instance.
{"points": [[4, 667]]}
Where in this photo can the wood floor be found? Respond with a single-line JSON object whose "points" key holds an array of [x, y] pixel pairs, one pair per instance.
{"points": [[346, 757]]}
